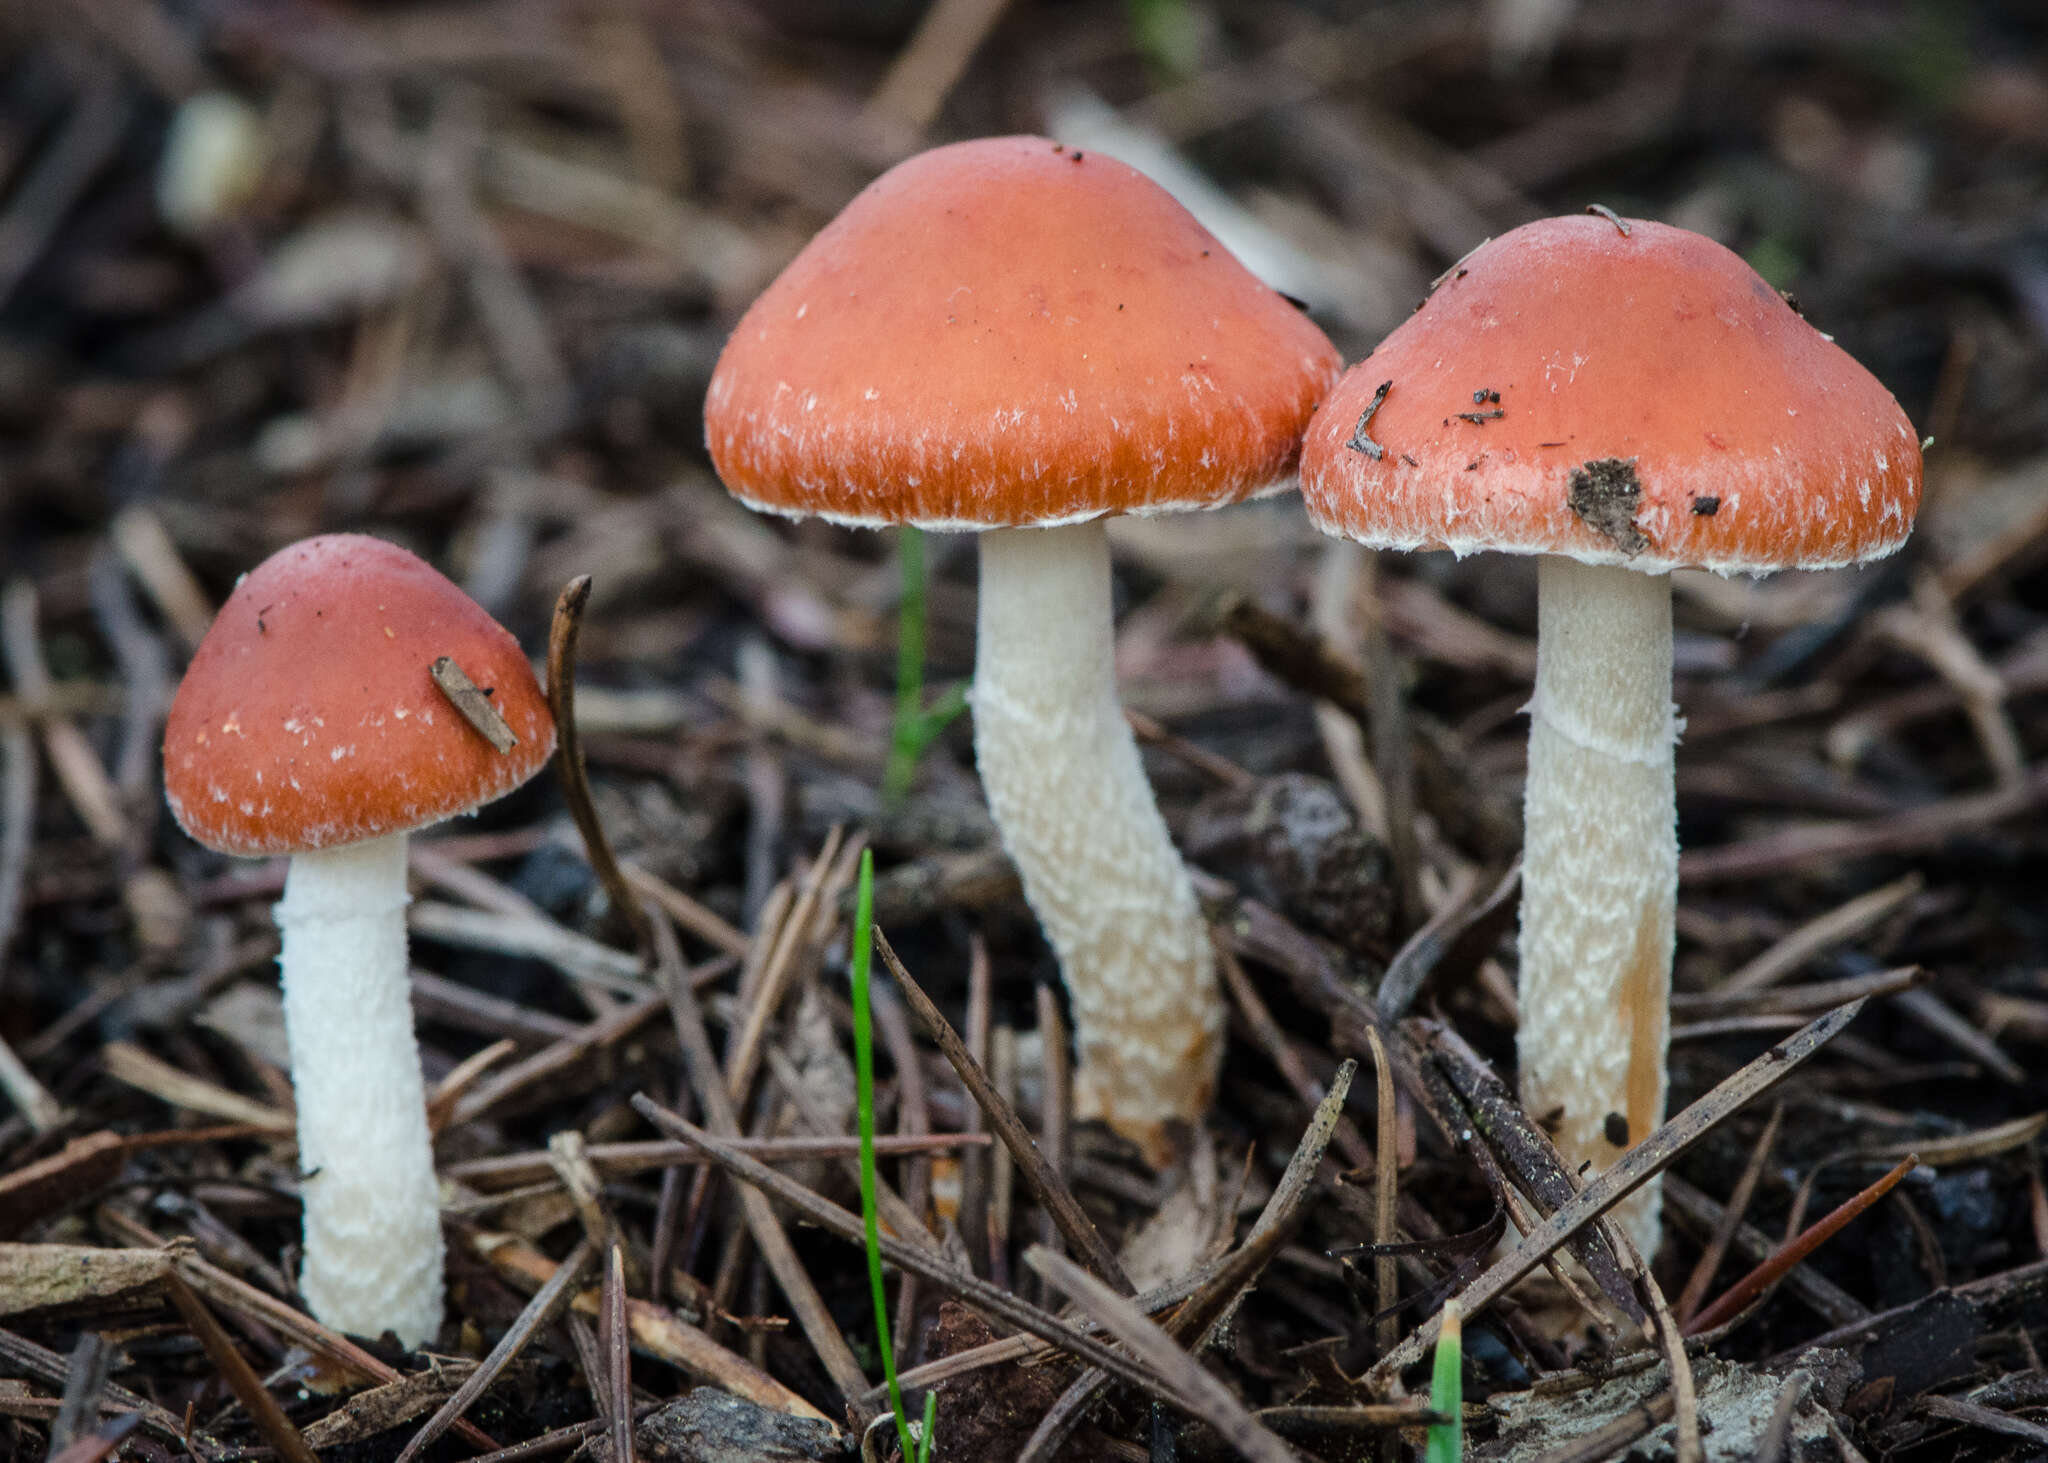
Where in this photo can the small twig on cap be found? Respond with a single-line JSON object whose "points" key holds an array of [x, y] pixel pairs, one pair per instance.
{"points": [[1359, 441], [562, 635], [474, 704], [1603, 211]]}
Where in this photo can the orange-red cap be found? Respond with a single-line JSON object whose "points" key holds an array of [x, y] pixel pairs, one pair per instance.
{"points": [[1009, 332], [309, 717], [1638, 398]]}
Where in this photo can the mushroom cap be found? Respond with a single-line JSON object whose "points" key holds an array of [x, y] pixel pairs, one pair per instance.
{"points": [[1008, 332], [309, 717], [1659, 406]]}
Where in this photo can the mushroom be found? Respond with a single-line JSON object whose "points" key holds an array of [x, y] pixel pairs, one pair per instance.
{"points": [[1622, 398], [1016, 338], [310, 723]]}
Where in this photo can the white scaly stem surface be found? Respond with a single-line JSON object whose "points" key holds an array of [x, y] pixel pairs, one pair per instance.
{"points": [[372, 1205], [1063, 780], [1599, 865]]}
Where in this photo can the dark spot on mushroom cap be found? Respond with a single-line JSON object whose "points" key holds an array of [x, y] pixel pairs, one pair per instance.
{"points": [[1616, 1130], [1605, 493], [1706, 505]]}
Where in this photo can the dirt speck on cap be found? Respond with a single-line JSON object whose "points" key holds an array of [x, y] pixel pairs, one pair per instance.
{"points": [[1605, 494]]}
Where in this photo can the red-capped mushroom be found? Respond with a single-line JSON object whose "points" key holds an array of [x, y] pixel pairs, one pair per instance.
{"points": [[309, 723], [1007, 336], [1622, 398]]}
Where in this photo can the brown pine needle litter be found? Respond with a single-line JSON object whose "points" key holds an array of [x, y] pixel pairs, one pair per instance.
{"points": [[457, 276]]}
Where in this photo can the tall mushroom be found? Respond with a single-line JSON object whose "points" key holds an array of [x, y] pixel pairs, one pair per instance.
{"points": [[1622, 398], [309, 723], [1011, 336]]}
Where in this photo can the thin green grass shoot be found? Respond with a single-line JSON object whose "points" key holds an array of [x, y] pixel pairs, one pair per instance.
{"points": [[916, 725], [1446, 1442], [864, 1068]]}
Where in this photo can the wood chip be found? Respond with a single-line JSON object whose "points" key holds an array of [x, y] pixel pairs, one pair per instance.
{"points": [[44, 1277], [392, 1405]]}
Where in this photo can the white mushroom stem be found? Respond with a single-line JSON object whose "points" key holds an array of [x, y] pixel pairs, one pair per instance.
{"points": [[372, 1205], [1599, 866], [1063, 779]]}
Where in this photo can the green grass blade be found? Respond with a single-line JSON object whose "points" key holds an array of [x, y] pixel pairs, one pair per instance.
{"points": [[908, 737], [864, 1069], [941, 714], [1447, 1391]]}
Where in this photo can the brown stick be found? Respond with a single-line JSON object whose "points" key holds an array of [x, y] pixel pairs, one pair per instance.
{"points": [[1386, 1193], [1210, 1302], [1731, 1219], [1044, 1181], [620, 1160], [260, 1307], [1635, 1168], [559, 1290], [241, 1378], [562, 636], [618, 1355], [991, 1300], [1752, 1285], [1207, 1398], [700, 1061]]}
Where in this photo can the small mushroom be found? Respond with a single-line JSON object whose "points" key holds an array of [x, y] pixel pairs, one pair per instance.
{"points": [[1005, 338], [309, 724], [1643, 371]]}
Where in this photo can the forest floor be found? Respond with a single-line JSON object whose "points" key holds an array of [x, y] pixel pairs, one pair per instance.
{"points": [[468, 298]]}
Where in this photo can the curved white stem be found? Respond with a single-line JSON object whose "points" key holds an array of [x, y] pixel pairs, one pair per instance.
{"points": [[373, 1216], [1599, 867], [1063, 779]]}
